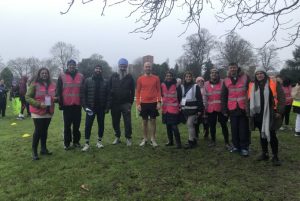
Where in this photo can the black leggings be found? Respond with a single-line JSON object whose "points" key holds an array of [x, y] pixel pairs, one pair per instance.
{"points": [[264, 141], [40, 133], [172, 129]]}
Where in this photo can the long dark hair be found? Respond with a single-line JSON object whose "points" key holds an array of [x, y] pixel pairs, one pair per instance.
{"points": [[188, 73], [38, 78]]}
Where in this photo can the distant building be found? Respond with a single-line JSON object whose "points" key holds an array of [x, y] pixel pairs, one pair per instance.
{"points": [[148, 58]]}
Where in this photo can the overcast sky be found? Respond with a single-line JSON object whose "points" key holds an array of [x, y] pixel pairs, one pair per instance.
{"points": [[31, 27]]}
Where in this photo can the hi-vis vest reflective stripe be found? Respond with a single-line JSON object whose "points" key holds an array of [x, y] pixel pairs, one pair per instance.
{"points": [[189, 97], [169, 99], [296, 103], [236, 93], [40, 93], [272, 85], [288, 96], [213, 95], [71, 88]]}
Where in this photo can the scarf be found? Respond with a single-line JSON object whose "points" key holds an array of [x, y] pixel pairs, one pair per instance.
{"points": [[255, 108]]}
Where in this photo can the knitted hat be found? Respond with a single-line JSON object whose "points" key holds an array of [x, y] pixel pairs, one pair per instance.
{"points": [[71, 62], [123, 61], [260, 69]]}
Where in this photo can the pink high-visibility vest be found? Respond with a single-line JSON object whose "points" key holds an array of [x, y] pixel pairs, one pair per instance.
{"points": [[169, 99], [40, 93], [213, 94], [71, 89], [237, 93], [288, 96]]}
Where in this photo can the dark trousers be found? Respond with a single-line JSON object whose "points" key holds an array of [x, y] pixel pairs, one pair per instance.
{"points": [[240, 131], [205, 127], [125, 110], [264, 141], [72, 116], [286, 114], [24, 105], [172, 129], [89, 124], [2, 106], [41, 126], [212, 121]]}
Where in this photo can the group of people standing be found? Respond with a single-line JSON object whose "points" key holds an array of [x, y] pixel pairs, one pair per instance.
{"points": [[249, 105]]}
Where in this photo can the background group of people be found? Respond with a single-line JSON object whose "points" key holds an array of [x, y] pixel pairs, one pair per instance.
{"points": [[259, 104]]}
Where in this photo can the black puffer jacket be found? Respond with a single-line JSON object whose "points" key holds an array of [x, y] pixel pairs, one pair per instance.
{"points": [[122, 90], [88, 93]]}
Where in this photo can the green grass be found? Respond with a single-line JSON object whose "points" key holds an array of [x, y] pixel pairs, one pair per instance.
{"points": [[135, 173]]}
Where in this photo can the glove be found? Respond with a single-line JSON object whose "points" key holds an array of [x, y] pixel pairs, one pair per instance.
{"points": [[89, 111]]}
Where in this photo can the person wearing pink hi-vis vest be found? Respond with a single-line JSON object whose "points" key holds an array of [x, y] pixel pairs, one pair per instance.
{"points": [[170, 109], [68, 93], [213, 107], [287, 89], [234, 99], [41, 97]]}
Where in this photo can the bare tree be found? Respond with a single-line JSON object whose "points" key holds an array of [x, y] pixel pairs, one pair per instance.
{"points": [[1, 64], [235, 49], [268, 57], [197, 49], [52, 66], [24, 66], [62, 52], [241, 13], [182, 62]]}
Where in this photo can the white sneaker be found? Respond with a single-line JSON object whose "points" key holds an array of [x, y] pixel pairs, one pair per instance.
{"points": [[86, 147], [144, 141], [20, 117], [282, 128], [99, 144], [128, 142], [153, 143], [116, 141]]}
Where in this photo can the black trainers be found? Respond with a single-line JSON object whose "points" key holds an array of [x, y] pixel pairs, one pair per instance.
{"points": [[67, 147], [263, 157], [276, 161], [244, 152], [169, 144], [190, 145], [46, 152], [76, 145], [35, 157]]}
